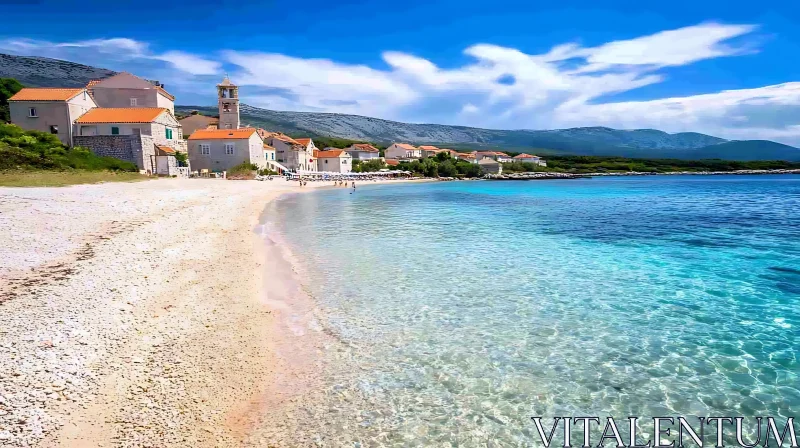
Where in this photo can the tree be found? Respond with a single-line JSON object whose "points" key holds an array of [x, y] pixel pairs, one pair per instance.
{"points": [[8, 87], [447, 169]]}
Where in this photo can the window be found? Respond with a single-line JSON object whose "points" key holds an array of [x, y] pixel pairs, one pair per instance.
{"points": [[205, 149], [226, 107], [32, 112], [54, 129], [133, 102], [230, 148], [169, 134], [114, 130], [273, 156]]}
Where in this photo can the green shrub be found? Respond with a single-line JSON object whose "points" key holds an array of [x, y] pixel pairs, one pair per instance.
{"points": [[20, 149]]}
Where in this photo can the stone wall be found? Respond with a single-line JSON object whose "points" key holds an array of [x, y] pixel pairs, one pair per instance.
{"points": [[131, 148]]}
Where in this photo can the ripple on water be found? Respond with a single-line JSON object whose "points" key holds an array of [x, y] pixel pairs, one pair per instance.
{"points": [[475, 305]]}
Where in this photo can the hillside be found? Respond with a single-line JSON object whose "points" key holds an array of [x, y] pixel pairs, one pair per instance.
{"points": [[46, 72], [639, 143]]}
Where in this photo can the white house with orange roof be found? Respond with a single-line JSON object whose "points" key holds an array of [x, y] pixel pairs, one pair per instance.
{"points": [[403, 151], [127, 90], [220, 150], [503, 157], [334, 161], [50, 110], [363, 151], [466, 156], [292, 154], [135, 134], [528, 158]]}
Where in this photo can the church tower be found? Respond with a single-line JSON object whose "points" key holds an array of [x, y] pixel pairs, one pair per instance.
{"points": [[228, 94]]}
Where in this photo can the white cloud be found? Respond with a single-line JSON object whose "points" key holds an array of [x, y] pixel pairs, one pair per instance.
{"points": [[189, 63], [110, 51], [502, 87]]}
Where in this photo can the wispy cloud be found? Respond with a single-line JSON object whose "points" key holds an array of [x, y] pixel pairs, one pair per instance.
{"points": [[570, 85], [111, 50]]}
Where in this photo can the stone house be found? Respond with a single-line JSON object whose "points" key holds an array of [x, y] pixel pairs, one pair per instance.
{"points": [[127, 90], [50, 110], [219, 150], [131, 134], [363, 151], [490, 166], [402, 151], [336, 161], [196, 121], [292, 154]]}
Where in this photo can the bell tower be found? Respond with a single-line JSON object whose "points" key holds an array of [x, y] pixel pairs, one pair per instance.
{"points": [[228, 95]]}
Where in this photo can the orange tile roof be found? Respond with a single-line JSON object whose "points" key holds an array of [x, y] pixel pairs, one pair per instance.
{"points": [[92, 83], [286, 138], [524, 156], [121, 115], [405, 146], [428, 148], [329, 154], [269, 148], [166, 149], [465, 155], [365, 147], [222, 134], [303, 141], [391, 162], [40, 94]]}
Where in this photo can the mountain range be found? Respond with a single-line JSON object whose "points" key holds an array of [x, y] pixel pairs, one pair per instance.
{"points": [[649, 143]]}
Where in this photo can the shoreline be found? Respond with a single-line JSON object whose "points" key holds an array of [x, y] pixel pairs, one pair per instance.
{"points": [[146, 314]]}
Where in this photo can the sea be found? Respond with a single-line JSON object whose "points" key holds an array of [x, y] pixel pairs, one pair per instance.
{"points": [[466, 308]]}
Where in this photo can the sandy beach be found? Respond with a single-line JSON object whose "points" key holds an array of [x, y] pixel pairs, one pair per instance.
{"points": [[147, 314]]}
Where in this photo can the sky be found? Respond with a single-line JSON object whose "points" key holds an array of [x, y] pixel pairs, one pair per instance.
{"points": [[725, 68]]}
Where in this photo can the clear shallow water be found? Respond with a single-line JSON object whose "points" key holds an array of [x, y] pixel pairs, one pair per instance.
{"points": [[471, 306]]}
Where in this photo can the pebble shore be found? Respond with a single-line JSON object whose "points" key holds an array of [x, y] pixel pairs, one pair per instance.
{"points": [[130, 312]]}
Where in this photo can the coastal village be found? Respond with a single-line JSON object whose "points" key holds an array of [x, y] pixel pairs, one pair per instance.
{"points": [[134, 119]]}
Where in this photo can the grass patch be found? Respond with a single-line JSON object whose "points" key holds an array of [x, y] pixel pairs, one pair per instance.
{"points": [[65, 178]]}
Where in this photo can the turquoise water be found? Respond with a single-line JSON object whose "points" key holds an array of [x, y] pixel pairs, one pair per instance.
{"points": [[468, 307]]}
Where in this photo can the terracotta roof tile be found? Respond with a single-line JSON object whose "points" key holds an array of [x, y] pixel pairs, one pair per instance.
{"points": [[37, 94], [92, 83], [428, 148], [166, 149], [121, 115], [286, 139], [222, 134], [525, 156], [391, 162], [329, 154], [366, 147], [303, 141], [269, 148], [405, 146]]}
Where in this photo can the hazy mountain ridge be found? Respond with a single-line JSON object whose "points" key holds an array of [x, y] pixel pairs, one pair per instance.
{"points": [[46, 72], [646, 143]]}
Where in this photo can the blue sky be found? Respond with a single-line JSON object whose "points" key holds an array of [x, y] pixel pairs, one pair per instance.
{"points": [[724, 68]]}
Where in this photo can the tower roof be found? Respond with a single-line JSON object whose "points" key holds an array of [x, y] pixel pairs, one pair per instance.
{"points": [[226, 82]]}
